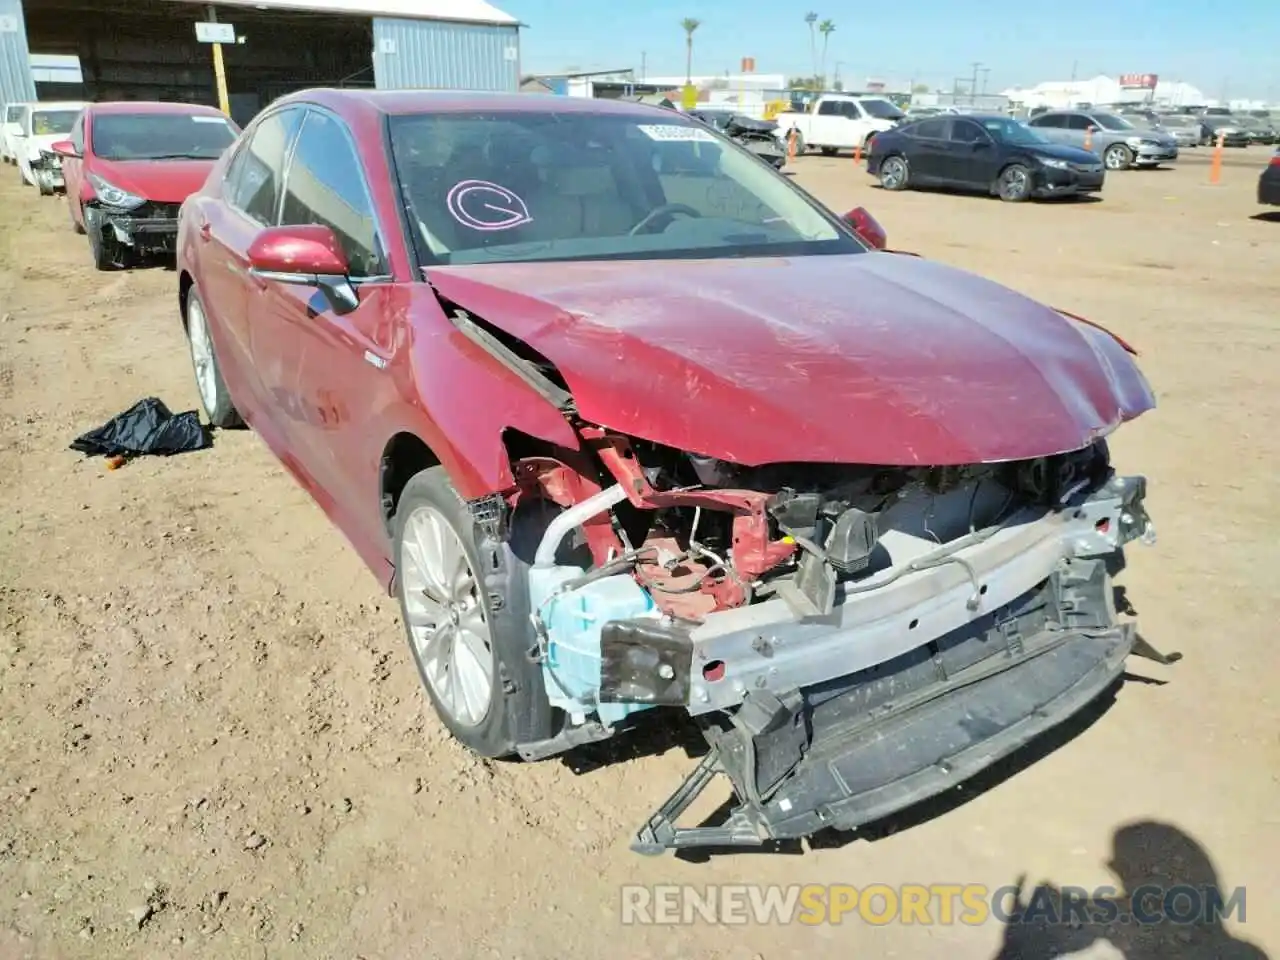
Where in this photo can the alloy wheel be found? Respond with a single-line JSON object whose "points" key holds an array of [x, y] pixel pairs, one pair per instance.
{"points": [[446, 617]]}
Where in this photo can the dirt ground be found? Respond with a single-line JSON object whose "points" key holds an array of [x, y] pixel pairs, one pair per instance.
{"points": [[213, 743]]}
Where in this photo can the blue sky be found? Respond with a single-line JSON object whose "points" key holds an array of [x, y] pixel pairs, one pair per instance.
{"points": [[1231, 45]]}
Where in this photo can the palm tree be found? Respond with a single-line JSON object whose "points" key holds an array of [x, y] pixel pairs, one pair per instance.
{"points": [[812, 18], [826, 28], [689, 24]]}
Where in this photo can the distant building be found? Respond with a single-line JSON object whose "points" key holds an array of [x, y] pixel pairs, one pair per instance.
{"points": [[1102, 89]]}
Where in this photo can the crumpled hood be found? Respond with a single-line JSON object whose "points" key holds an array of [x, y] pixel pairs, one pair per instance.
{"points": [[160, 181], [863, 358]]}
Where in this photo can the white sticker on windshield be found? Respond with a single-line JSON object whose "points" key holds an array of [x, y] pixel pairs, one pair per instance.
{"points": [[199, 119], [679, 132]]}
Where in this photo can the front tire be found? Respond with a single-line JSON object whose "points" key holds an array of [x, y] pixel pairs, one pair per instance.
{"points": [[101, 250], [1117, 157], [1014, 184], [214, 396], [464, 603], [895, 173]]}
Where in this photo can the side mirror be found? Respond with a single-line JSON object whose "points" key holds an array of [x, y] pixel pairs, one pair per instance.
{"points": [[867, 227], [64, 148], [306, 255]]}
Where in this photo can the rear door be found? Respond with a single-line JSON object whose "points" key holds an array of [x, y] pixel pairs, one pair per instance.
{"points": [[249, 201], [929, 149], [326, 368], [1052, 125]]}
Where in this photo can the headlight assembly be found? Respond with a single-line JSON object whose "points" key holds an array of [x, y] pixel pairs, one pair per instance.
{"points": [[113, 196]]}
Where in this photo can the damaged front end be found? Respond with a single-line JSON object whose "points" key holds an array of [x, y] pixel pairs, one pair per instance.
{"points": [[144, 229], [852, 639], [46, 171]]}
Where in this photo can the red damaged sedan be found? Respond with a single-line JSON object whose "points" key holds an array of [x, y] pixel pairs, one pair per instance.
{"points": [[129, 165], [627, 421]]}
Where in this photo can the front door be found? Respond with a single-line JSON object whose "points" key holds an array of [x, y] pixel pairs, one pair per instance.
{"points": [[973, 160], [324, 369]]}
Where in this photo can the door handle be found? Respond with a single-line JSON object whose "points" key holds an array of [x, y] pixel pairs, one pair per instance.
{"points": [[206, 231]]}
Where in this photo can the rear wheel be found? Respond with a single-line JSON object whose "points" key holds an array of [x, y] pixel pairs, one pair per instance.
{"points": [[214, 396], [1014, 183], [464, 602], [895, 174]]}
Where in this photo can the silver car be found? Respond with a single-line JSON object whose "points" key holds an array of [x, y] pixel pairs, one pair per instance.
{"points": [[1186, 130], [1120, 144]]}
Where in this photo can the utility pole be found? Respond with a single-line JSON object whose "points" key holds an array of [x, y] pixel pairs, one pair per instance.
{"points": [[985, 71], [219, 69], [973, 86]]}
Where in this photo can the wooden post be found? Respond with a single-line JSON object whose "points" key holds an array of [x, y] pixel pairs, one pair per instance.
{"points": [[219, 69], [1215, 168], [791, 145]]}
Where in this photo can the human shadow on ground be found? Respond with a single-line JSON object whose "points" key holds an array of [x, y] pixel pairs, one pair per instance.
{"points": [[1169, 905]]}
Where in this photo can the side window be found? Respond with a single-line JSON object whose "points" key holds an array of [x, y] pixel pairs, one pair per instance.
{"points": [[1078, 121], [935, 129], [1047, 120], [77, 134], [966, 131], [830, 108], [325, 184], [258, 170], [852, 110]]}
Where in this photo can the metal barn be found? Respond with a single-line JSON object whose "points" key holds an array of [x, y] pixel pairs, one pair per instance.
{"points": [[148, 49]]}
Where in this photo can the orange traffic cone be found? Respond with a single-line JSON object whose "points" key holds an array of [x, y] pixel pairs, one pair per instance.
{"points": [[1088, 138], [791, 145], [1215, 168]]}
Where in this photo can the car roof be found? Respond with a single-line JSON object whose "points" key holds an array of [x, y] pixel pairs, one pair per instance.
{"points": [[57, 104], [154, 106], [393, 102]]}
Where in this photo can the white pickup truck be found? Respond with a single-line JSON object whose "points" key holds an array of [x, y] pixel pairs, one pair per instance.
{"points": [[838, 122]]}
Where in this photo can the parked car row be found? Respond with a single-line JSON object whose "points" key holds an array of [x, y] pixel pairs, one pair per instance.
{"points": [[126, 167], [559, 392]]}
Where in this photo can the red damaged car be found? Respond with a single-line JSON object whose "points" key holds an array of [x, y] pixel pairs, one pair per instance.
{"points": [[129, 165], [627, 420]]}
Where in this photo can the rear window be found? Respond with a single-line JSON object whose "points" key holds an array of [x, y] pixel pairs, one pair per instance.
{"points": [[161, 136], [46, 123], [12, 114]]}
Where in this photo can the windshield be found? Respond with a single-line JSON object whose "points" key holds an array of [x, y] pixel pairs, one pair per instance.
{"points": [[1109, 121], [881, 109], [525, 186], [48, 122], [160, 136], [1013, 131]]}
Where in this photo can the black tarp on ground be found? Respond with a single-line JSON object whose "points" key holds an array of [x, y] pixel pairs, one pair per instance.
{"points": [[146, 428]]}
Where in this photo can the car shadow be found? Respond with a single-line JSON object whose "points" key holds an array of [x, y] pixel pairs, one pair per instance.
{"points": [[1080, 198], [1267, 216], [1170, 906]]}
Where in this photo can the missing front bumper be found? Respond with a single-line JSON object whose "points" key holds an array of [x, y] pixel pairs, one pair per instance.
{"points": [[868, 763]]}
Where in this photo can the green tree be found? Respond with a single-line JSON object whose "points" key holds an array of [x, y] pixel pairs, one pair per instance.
{"points": [[689, 24], [826, 28]]}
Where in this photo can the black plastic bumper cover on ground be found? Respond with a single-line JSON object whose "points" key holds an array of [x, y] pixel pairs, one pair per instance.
{"points": [[872, 766]]}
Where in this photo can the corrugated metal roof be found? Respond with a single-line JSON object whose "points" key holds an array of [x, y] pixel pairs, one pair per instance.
{"points": [[461, 11]]}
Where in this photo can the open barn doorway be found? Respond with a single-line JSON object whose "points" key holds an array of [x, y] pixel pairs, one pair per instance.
{"points": [[147, 50]]}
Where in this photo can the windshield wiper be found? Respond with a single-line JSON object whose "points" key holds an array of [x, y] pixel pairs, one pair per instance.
{"points": [[175, 156]]}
